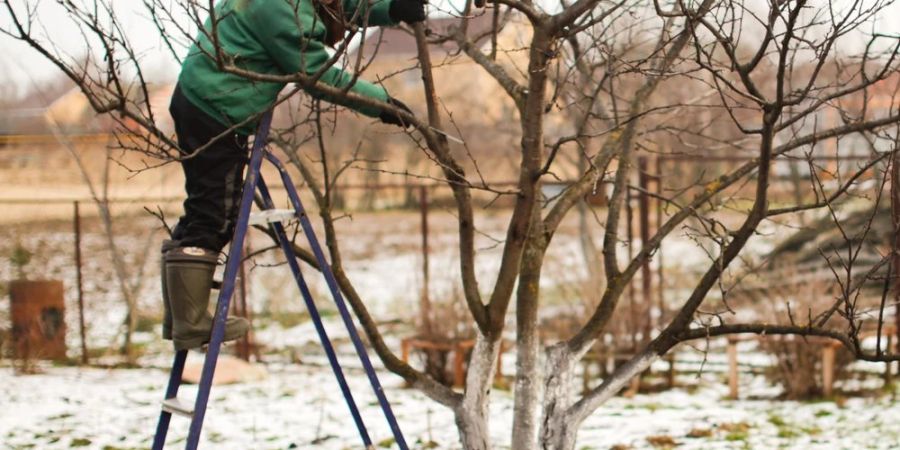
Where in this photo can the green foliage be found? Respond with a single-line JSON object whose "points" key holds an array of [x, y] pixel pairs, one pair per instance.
{"points": [[146, 323], [736, 432], [20, 258], [777, 420], [787, 433], [736, 436], [289, 319], [787, 430]]}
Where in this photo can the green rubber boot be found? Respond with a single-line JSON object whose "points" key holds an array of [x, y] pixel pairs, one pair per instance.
{"points": [[167, 244], [189, 275]]}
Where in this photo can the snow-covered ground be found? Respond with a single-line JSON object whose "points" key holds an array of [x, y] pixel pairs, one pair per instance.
{"points": [[299, 406]]}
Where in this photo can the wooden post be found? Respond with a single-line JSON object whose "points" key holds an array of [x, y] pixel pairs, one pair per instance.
{"points": [[732, 369], [404, 349], [80, 284], [895, 259], [245, 344], [634, 387], [586, 376], [459, 358], [670, 374], [660, 266], [828, 352], [425, 299], [609, 353], [498, 375], [644, 230], [888, 375], [634, 320]]}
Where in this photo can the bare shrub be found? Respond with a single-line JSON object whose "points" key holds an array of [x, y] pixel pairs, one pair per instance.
{"points": [[790, 298], [798, 368], [446, 326]]}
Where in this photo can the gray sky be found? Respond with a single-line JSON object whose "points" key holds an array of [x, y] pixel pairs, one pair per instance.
{"points": [[21, 66]]}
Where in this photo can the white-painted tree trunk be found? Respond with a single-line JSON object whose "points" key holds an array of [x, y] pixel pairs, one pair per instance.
{"points": [[555, 428], [473, 413], [612, 385], [563, 417], [529, 379]]}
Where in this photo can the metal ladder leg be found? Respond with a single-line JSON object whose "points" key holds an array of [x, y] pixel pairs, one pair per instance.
{"points": [[253, 181], [231, 269], [339, 300], [290, 256], [198, 412], [162, 428]]}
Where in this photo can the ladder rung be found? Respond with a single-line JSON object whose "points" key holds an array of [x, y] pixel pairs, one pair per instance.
{"points": [[175, 406], [272, 216]]}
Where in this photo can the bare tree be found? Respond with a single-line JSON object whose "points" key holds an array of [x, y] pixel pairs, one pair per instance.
{"points": [[663, 80], [129, 281]]}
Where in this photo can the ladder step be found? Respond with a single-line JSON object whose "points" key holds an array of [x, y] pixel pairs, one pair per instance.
{"points": [[272, 216], [175, 406]]}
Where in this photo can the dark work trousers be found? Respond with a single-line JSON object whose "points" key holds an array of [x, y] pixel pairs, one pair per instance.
{"points": [[213, 178]]}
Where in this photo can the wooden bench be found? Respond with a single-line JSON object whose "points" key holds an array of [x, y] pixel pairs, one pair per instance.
{"points": [[458, 347]]}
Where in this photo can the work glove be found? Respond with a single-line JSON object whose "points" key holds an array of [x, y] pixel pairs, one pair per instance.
{"points": [[409, 11], [389, 117]]}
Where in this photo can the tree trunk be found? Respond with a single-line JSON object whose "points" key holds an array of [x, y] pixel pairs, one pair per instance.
{"points": [[563, 416], [557, 429], [563, 433], [473, 413], [528, 376], [473, 428]]}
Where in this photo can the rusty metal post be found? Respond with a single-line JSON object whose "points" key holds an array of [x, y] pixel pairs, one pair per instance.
{"points": [[425, 299], [241, 309], [37, 310], [644, 224], [629, 236], [895, 259], [79, 284], [733, 373], [660, 266], [888, 372], [828, 355]]}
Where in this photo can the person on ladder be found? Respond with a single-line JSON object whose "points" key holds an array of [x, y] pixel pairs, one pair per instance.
{"points": [[215, 112]]}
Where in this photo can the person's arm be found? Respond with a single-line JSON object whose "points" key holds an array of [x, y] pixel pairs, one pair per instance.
{"points": [[285, 34], [384, 12], [378, 11]]}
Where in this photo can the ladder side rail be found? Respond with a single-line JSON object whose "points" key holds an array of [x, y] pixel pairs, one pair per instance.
{"points": [[339, 300], [162, 427], [231, 269], [291, 257]]}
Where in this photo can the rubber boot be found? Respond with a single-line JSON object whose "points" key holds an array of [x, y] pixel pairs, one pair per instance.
{"points": [[167, 244], [189, 279]]}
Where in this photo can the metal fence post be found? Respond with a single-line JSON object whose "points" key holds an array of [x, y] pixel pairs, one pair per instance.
{"points": [[79, 283], [425, 300]]}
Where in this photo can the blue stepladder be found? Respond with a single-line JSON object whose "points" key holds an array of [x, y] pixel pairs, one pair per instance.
{"points": [[253, 183]]}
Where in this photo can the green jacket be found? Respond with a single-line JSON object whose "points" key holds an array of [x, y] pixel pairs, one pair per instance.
{"points": [[278, 37]]}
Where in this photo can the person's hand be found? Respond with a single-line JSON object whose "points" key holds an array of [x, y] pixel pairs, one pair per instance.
{"points": [[409, 11], [392, 118]]}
